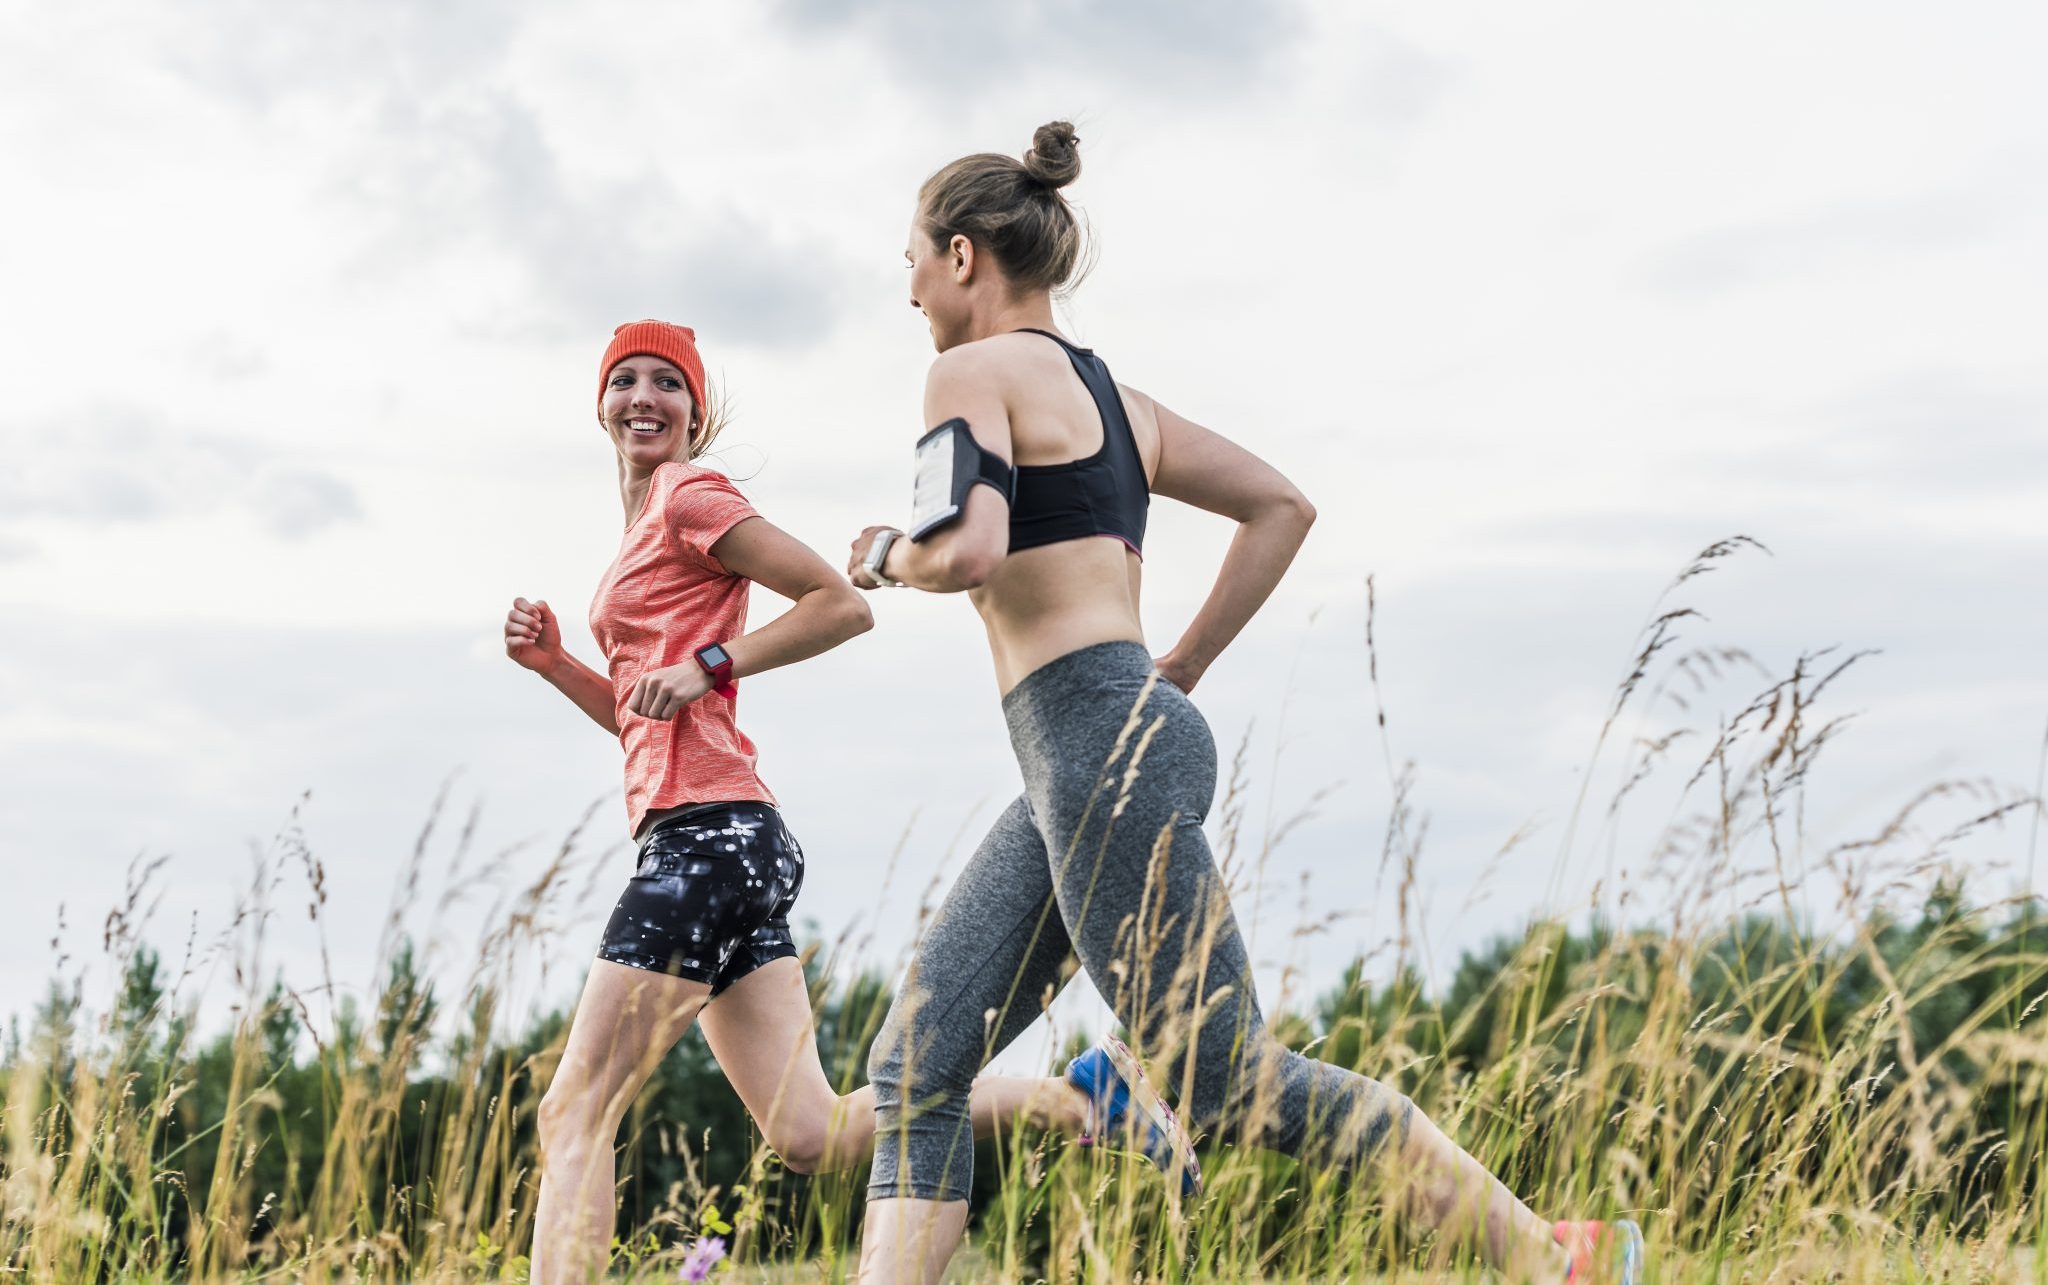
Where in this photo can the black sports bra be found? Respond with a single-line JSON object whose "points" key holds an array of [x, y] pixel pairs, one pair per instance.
{"points": [[1104, 494]]}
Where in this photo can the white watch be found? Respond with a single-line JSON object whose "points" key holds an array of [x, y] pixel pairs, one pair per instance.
{"points": [[878, 555]]}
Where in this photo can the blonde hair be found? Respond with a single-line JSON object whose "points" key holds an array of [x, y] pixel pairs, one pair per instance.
{"points": [[712, 418]]}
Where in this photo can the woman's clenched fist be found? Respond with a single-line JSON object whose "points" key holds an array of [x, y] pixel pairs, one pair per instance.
{"points": [[533, 637]]}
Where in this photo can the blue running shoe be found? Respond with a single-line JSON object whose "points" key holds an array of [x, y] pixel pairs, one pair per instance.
{"points": [[1594, 1249], [1122, 1102]]}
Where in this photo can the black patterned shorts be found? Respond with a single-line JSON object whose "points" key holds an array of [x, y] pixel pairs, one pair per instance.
{"points": [[712, 896]]}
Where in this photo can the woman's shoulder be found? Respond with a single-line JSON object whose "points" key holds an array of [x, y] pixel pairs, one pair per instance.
{"points": [[690, 496], [976, 354], [1014, 356], [698, 505], [677, 475]]}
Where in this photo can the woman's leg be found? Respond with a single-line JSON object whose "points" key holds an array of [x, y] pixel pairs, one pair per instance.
{"points": [[627, 1020], [762, 1033], [1250, 1089], [987, 965], [1121, 788]]}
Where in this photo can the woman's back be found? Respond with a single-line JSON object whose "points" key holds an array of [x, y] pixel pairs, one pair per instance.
{"points": [[990, 244], [1051, 598]]}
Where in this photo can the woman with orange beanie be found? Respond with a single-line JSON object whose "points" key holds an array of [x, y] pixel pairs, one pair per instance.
{"points": [[701, 933]]}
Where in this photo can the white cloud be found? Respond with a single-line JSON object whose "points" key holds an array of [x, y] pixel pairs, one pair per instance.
{"points": [[121, 466], [475, 172], [345, 274], [1844, 237], [1171, 47]]}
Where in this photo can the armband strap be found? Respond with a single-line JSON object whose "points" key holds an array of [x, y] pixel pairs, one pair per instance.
{"points": [[950, 463]]}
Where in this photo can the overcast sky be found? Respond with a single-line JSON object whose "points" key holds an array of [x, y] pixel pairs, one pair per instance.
{"points": [[302, 304]]}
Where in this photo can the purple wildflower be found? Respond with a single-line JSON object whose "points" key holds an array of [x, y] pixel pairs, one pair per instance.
{"points": [[703, 1256]]}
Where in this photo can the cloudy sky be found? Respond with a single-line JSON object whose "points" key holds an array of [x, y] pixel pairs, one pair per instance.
{"points": [[302, 304]]}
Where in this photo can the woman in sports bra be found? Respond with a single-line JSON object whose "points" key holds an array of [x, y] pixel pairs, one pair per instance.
{"points": [[1033, 483], [701, 933]]}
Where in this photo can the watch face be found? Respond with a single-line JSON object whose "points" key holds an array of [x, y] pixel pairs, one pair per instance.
{"points": [[714, 656]]}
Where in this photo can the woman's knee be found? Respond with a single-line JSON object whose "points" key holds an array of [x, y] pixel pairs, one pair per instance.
{"points": [[911, 1062], [568, 1123], [885, 1065], [800, 1144]]}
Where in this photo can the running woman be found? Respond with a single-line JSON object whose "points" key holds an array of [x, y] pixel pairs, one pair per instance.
{"points": [[1033, 483], [702, 931]]}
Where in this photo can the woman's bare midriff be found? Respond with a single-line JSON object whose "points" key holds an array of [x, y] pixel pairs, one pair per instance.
{"points": [[1045, 602]]}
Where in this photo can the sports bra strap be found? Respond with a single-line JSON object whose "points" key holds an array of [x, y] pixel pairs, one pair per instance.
{"points": [[1109, 404], [1104, 493]]}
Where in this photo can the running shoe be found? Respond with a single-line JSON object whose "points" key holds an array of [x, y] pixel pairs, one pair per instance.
{"points": [[1122, 1102], [1594, 1248]]}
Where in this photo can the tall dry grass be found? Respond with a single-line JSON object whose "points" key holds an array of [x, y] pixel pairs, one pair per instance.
{"points": [[1790, 1059]]}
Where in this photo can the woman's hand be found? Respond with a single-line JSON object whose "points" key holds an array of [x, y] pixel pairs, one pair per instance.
{"points": [[533, 637], [1182, 674], [662, 693], [856, 565], [1273, 517]]}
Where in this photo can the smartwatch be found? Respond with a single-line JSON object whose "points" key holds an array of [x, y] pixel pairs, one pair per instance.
{"points": [[717, 662], [878, 556]]}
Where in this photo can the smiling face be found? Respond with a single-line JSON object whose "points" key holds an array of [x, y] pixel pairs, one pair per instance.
{"points": [[648, 412], [939, 279]]}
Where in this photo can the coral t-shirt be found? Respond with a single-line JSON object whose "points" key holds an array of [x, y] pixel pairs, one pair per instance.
{"points": [[662, 598]]}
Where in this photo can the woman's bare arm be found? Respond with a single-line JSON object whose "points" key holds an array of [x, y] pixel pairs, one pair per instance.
{"points": [[963, 384], [827, 613], [533, 639], [1211, 472], [590, 690], [827, 610]]}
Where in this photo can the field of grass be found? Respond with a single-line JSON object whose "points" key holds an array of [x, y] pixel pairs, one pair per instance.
{"points": [[1789, 1060]]}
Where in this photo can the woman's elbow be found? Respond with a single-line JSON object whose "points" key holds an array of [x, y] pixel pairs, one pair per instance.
{"points": [[853, 614], [1304, 512], [969, 567], [970, 552], [1291, 507]]}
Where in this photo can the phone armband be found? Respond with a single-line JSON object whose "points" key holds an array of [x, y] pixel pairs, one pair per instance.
{"points": [[950, 463]]}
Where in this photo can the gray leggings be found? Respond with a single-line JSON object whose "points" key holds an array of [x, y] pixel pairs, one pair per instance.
{"points": [[1103, 857]]}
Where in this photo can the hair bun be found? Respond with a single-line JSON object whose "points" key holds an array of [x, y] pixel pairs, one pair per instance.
{"points": [[1054, 158]]}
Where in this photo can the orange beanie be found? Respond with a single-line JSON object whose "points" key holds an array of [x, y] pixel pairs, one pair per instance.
{"points": [[674, 344]]}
